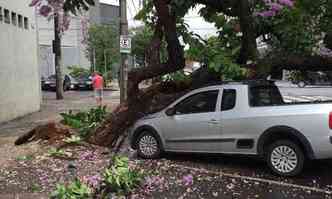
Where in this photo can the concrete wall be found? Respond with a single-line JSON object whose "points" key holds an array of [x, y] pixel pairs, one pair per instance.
{"points": [[109, 14], [70, 55], [94, 13], [19, 73], [73, 50]]}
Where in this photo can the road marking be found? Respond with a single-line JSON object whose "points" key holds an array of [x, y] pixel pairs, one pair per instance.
{"points": [[271, 182]]}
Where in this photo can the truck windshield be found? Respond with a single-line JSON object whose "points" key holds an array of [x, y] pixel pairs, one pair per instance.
{"points": [[265, 95]]}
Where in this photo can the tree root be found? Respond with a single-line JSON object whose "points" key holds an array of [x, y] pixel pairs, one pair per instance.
{"points": [[52, 132]]}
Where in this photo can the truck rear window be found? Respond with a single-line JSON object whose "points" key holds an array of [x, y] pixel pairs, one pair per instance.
{"points": [[267, 95]]}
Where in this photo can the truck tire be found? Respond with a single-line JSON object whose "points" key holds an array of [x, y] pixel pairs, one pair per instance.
{"points": [[148, 145], [285, 158]]}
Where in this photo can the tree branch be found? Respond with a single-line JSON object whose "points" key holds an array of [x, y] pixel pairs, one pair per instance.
{"points": [[166, 25]]}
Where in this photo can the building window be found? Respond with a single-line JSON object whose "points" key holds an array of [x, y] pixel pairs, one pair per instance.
{"points": [[20, 21], [26, 23], [7, 16], [1, 16], [14, 19]]}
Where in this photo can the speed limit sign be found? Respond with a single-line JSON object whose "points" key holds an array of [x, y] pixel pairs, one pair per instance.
{"points": [[125, 44]]}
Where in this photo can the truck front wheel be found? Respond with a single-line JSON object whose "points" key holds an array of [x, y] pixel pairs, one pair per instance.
{"points": [[285, 158]]}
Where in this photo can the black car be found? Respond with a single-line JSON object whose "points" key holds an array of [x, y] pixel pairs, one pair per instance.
{"points": [[50, 83], [84, 82]]}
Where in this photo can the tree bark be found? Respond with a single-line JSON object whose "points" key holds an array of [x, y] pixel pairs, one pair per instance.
{"points": [[249, 46], [58, 59], [166, 26]]}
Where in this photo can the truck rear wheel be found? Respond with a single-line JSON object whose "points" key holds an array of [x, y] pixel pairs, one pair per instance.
{"points": [[285, 158]]}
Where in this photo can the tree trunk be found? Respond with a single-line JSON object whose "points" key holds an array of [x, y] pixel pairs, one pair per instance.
{"points": [[249, 45], [58, 59]]}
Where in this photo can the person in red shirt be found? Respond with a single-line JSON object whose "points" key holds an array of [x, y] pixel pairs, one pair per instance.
{"points": [[98, 85]]}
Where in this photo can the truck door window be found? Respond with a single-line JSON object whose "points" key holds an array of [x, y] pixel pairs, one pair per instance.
{"points": [[265, 96], [228, 99], [203, 102]]}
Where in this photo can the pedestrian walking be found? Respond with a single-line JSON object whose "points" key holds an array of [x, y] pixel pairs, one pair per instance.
{"points": [[98, 85]]}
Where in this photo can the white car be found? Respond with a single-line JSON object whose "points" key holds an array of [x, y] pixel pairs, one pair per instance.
{"points": [[248, 118]]}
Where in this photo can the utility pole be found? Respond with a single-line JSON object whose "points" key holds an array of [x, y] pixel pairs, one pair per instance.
{"points": [[124, 57]]}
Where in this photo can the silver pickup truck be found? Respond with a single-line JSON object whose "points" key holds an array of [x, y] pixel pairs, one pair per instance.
{"points": [[247, 118]]}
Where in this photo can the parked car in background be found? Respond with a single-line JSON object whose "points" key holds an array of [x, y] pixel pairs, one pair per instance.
{"points": [[84, 82], [317, 78], [247, 118], [69, 83]]}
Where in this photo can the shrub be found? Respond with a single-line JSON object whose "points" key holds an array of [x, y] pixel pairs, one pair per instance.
{"points": [[75, 190], [77, 71], [56, 152], [73, 140], [84, 121], [119, 178]]}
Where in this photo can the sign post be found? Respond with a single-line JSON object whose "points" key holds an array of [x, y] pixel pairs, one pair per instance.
{"points": [[125, 44]]}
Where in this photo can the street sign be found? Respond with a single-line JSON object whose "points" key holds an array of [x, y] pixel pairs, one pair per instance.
{"points": [[125, 44]]}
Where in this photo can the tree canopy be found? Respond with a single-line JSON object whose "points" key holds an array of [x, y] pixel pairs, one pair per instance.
{"points": [[295, 30], [102, 42]]}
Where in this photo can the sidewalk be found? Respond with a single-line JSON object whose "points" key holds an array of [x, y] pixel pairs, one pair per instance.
{"points": [[50, 109]]}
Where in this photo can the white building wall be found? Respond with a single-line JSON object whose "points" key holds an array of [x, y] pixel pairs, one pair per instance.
{"points": [[73, 51], [19, 73]]}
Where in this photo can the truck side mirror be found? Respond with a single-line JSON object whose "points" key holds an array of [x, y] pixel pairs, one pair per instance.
{"points": [[170, 111]]}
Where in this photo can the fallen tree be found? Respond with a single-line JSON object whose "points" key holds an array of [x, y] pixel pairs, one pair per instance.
{"points": [[140, 101], [166, 22]]}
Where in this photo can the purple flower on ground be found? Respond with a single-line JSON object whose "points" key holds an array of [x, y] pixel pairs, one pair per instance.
{"points": [[188, 180], [88, 155], [153, 183], [289, 3], [92, 181], [45, 10]]}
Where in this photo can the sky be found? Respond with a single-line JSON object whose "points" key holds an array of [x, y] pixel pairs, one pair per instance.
{"points": [[195, 22]]}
